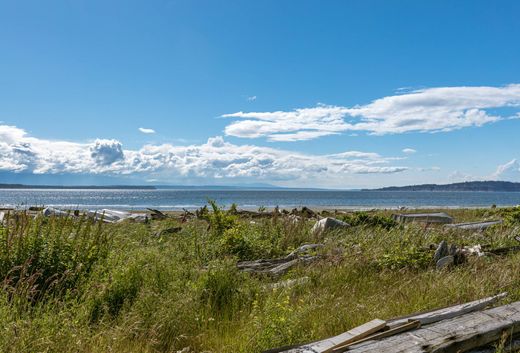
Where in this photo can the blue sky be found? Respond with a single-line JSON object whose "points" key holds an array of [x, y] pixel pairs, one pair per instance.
{"points": [[294, 93]]}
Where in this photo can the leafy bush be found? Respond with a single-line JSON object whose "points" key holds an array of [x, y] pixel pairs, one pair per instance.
{"points": [[219, 220], [371, 220]]}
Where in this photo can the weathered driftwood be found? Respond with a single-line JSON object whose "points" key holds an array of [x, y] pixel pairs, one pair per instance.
{"points": [[304, 212], [51, 211], [355, 334], [474, 225], [304, 249], [459, 334], [281, 265], [113, 216], [412, 325], [274, 267], [510, 345], [439, 217], [402, 324], [449, 312], [156, 214], [328, 223]]}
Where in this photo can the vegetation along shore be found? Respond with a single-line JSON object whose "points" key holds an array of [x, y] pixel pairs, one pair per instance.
{"points": [[190, 282]]}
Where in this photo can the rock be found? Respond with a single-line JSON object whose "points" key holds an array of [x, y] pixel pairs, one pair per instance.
{"points": [[444, 262], [329, 223], [452, 250], [442, 251]]}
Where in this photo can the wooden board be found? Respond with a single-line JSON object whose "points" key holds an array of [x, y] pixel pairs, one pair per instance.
{"points": [[377, 336], [357, 333], [459, 334]]}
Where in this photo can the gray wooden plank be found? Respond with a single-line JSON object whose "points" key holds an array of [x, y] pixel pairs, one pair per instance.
{"points": [[458, 334], [394, 331], [357, 333]]}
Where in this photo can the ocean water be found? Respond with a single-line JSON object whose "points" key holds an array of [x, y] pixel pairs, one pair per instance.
{"points": [[177, 199]]}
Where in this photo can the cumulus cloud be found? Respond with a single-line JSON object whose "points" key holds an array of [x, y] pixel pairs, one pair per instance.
{"points": [[107, 152], [509, 171], [424, 110], [216, 158], [409, 151], [146, 131]]}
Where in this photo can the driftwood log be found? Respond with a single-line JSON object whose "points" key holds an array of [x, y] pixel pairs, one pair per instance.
{"points": [[279, 266], [439, 217]]}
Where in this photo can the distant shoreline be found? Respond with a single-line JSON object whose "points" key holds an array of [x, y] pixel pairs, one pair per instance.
{"points": [[473, 186]]}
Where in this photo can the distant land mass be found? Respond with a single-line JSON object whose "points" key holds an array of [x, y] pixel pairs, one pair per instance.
{"points": [[504, 186], [71, 187], [151, 187]]}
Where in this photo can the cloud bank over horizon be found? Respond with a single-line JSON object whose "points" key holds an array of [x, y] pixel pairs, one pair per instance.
{"points": [[20, 152], [431, 110]]}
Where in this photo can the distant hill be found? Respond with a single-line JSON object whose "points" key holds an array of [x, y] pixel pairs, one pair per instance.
{"points": [[466, 186], [153, 187], [69, 187]]}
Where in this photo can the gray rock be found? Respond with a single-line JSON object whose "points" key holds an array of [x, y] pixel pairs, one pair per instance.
{"points": [[446, 261], [327, 224], [442, 250]]}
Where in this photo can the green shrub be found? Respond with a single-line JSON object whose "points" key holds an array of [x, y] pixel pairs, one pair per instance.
{"points": [[371, 220], [219, 220]]}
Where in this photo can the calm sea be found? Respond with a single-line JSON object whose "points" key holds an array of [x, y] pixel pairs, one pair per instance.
{"points": [[190, 199]]}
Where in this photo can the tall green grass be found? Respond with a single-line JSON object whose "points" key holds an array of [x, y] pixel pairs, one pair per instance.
{"points": [[72, 285]]}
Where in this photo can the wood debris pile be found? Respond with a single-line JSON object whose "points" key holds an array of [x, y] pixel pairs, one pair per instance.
{"points": [[468, 327], [276, 267]]}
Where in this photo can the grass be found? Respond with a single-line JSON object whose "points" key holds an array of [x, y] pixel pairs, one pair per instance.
{"points": [[71, 285]]}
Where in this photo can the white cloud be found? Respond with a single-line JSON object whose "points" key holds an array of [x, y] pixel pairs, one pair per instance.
{"points": [[409, 151], [424, 110], [216, 158], [251, 98], [107, 152], [146, 131], [509, 171]]}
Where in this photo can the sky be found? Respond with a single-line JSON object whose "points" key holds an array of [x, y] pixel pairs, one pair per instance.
{"points": [[297, 93]]}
